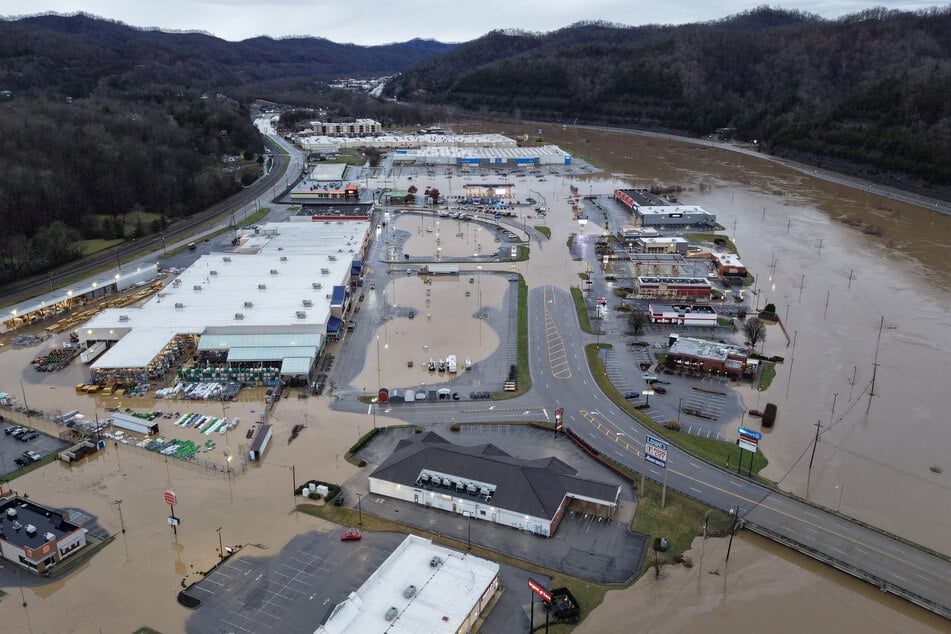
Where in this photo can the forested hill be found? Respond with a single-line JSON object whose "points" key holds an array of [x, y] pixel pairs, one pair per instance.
{"points": [[109, 132], [76, 55], [869, 93]]}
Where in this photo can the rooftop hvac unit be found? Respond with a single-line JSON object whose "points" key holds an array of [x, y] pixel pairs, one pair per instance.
{"points": [[261, 287], [325, 271], [307, 302], [196, 287], [226, 259], [301, 314], [123, 318], [49, 536], [30, 530], [11, 513], [248, 304], [239, 316], [317, 285], [332, 258], [213, 272], [179, 305], [176, 282], [273, 271], [162, 294], [283, 258]]}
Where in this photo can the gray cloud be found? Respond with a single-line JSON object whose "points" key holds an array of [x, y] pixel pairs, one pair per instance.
{"points": [[382, 21]]}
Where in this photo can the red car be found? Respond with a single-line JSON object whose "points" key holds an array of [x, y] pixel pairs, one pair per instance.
{"points": [[351, 536], [755, 412]]}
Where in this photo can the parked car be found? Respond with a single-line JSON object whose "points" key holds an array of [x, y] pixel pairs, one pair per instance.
{"points": [[351, 536], [11, 429], [339, 500], [660, 389], [21, 462], [18, 434], [32, 456], [29, 436], [632, 395]]}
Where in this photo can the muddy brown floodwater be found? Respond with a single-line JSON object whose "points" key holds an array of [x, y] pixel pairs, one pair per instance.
{"points": [[862, 283], [872, 295]]}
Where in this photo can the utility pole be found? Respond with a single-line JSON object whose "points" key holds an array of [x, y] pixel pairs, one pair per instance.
{"points": [[221, 550], [802, 283], [736, 511], [121, 521], [815, 443]]}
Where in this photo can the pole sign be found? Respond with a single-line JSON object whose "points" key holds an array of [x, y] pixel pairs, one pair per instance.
{"points": [[748, 439], [170, 498], [749, 433], [655, 452], [537, 588], [559, 418]]}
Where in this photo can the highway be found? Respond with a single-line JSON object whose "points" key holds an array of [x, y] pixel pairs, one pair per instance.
{"points": [[561, 378], [285, 168]]}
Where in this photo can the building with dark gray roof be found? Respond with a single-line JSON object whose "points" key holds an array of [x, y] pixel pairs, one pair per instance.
{"points": [[486, 483], [37, 537]]}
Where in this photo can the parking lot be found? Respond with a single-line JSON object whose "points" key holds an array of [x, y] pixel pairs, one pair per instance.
{"points": [[290, 591], [12, 449]]}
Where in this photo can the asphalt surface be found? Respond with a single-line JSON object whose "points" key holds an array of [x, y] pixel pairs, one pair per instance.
{"points": [[561, 378], [596, 549]]}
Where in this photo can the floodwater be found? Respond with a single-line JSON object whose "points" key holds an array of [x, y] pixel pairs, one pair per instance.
{"points": [[762, 583], [864, 285], [874, 462]]}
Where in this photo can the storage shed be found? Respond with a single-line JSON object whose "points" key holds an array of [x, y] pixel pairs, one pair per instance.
{"points": [[133, 424]]}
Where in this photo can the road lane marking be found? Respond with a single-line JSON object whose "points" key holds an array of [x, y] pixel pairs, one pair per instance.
{"points": [[763, 504]]}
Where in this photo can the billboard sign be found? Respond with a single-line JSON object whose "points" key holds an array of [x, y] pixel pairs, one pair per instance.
{"points": [[537, 588], [655, 452]]}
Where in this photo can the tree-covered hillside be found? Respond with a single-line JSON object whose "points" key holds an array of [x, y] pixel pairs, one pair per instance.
{"points": [[869, 93], [102, 124]]}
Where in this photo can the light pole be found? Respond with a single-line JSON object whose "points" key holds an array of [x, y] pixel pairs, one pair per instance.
{"points": [[360, 507], [838, 504], [221, 550], [835, 395], [119, 508]]}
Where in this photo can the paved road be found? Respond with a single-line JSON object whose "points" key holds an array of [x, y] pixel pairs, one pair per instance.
{"points": [[286, 168], [561, 378]]}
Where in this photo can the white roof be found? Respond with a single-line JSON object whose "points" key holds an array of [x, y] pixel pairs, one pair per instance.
{"points": [[211, 292], [727, 259], [409, 140], [661, 240], [445, 594], [488, 152], [666, 210], [327, 172]]}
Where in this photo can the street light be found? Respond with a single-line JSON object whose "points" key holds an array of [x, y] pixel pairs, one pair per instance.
{"points": [[221, 550], [360, 507], [841, 488]]}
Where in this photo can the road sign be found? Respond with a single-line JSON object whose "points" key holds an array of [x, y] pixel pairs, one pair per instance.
{"points": [[749, 433], [170, 498], [655, 451], [537, 588]]}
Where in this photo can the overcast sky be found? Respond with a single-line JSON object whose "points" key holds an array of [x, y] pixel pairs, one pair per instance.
{"points": [[383, 21]]}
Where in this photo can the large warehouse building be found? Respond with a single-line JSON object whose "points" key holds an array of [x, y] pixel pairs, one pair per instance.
{"points": [[312, 141], [462, 156], [485, 483], [421, 587], [270, 302], [656, 212]]}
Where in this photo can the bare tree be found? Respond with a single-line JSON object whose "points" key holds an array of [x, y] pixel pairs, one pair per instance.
{"points": [[755, 331]]}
